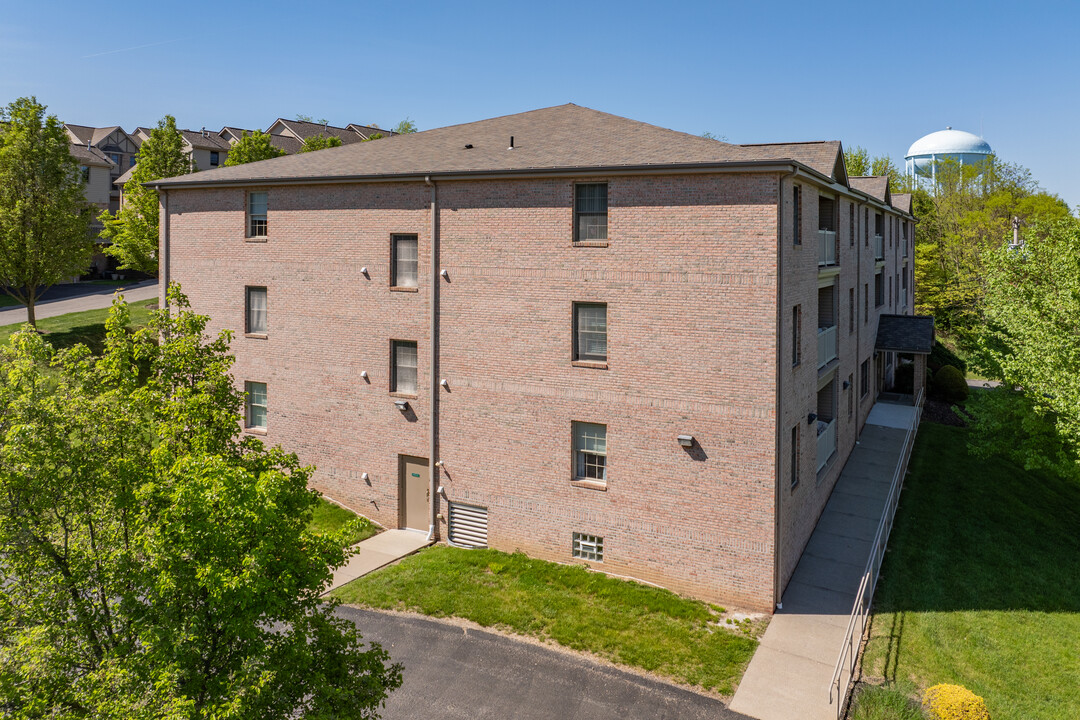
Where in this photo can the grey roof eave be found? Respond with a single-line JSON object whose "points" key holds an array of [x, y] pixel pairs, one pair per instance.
{"points": [[743, 165]]}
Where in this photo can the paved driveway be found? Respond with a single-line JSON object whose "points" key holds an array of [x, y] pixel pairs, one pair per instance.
{"points": [[64, 299], [453, 673]]}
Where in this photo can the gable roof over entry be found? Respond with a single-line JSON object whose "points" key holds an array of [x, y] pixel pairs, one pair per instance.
{"points": [[905, 333]]}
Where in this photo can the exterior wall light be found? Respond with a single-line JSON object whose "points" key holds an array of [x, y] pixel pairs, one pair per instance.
{"points": [[363, 374], [402, 405], [686, 440], [364, 477]]}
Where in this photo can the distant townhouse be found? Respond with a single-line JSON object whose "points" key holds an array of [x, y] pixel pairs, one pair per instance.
{"points": [[563, 332], [116, 144]]}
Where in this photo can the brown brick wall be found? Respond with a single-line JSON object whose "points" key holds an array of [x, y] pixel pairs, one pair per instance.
{"points": [[689, 277]]}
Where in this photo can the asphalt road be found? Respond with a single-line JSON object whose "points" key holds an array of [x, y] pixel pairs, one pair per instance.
{"points": [[77, 297], [450, 672]]}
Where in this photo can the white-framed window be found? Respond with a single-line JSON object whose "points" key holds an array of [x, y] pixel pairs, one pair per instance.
{"points": [[403, 367], [588, 547], [256, 405], [214, 157], [256, 212], [403, 260], [590, 211], [590, 331], [590, 451], [256, 318]]}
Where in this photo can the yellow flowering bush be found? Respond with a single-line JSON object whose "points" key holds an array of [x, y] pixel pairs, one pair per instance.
{"points": [[954, 702]]}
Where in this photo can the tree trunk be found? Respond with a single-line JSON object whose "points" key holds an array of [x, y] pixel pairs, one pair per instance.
{"points": [[31, 300]]}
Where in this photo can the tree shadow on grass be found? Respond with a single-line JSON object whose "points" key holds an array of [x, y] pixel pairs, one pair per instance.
{"points": [[981, 534], [91, 335]]}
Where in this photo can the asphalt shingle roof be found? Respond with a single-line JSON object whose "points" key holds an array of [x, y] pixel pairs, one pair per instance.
{"points": [[210, 141], [906, 333], [902, 202], [873, 185], [89, 156], [562, 137]]}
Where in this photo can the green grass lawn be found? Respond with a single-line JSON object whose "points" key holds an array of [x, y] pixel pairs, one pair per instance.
{"points": [[626, 622], [86, 327], [329, 518], [981, 586]]}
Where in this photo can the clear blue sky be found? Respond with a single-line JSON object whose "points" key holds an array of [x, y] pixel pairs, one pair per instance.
{"points": [[874, 74]]}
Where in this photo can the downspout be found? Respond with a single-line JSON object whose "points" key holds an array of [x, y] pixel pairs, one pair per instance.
{"points": [[778, 536], [858, 325], [163, 254], [433, 463]]}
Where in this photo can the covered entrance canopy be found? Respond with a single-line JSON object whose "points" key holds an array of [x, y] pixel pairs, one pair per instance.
{"points": [[909, 339]]}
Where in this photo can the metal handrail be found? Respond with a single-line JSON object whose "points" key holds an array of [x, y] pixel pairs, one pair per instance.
{"points": [[860, 611]]}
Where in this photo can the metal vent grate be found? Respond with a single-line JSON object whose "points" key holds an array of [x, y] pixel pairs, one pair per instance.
{"points": [[468, 526], [588, 547]]}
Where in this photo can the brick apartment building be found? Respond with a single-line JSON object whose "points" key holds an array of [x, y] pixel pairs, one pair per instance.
{"points": [[561, 331]]}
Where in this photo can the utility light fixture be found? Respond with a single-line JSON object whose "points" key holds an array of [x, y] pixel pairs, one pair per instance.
{"points": [[402, 405], [686, 440]]}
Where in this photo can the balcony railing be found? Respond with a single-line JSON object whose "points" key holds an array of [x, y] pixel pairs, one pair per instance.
{"points": [[826, 247], [826, 345], [826, 443], [879, 247]]}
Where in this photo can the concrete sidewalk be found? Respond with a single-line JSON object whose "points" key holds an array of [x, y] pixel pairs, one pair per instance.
{"points": [[376, 552], [96, 298], [790, 673]]}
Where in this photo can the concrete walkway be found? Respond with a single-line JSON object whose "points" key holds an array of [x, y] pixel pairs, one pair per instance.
{"points": [[95, 298], [376, 552], [790, 673]]}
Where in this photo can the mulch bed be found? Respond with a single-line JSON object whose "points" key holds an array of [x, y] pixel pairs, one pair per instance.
{"points": [[941, 412]]}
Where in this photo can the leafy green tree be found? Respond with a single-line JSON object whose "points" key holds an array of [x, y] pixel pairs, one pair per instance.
{"points": [[1030, 319], [320, 142], [405, 127], [252, 148], [376, 136], [155, 563], [134, 229], [857, 161], [966, 215], [310, 119], [44, 216]]}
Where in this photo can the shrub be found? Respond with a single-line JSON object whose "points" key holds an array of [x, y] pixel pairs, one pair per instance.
{"points": [[954, 702], [949, 384], [941, 356]]}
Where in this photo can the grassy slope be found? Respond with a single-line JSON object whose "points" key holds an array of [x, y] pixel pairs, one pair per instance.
{"points": [[86, 327], [982, 583], [329, 517], [624, 621]]}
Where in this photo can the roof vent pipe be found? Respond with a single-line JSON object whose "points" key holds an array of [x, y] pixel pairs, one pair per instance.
{"points": [[511, 143]]}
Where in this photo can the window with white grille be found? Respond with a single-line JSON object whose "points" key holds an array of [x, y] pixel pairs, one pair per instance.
{"points": [[403, 267], [590, 211], [588, 547], [590, 331], [256, 311], [257, 214], [590, 451], [256, 405], [403, 367]]}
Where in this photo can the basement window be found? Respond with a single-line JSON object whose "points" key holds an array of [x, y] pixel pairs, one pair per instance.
{"points": [[588, 547]]}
